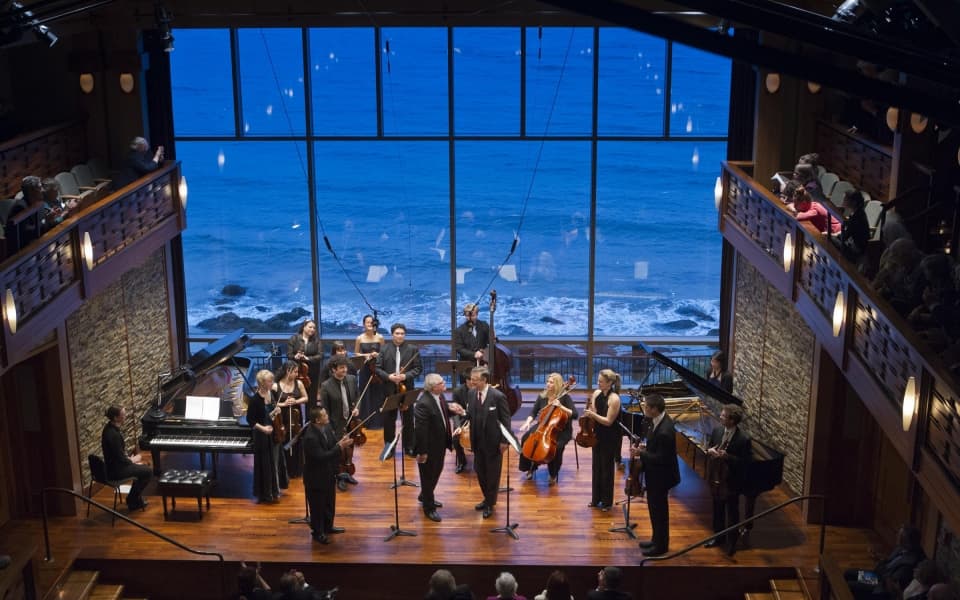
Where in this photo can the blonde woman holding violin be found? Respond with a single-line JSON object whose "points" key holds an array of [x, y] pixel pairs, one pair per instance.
{"points": [[604, 409], [554, 394]]}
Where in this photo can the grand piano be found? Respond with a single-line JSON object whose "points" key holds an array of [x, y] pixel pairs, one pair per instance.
{"points": [[213, 371], [693, 402]]}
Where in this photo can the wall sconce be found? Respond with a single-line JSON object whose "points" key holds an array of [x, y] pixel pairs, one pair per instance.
{"points": [[839, 312], [126, 82], [86, 250], [814, 87], [86, 82], [918, 123], [909, 402], [772, 82], [787, 252], [893, 118], [182, 189], [10, 311], [717, 193]]}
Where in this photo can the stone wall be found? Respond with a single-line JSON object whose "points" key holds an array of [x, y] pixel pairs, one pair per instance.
{"points": [[772, 368], [118, 342]]}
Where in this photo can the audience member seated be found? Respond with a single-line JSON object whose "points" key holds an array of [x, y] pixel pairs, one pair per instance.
{"points": [[895, 570], [558, 588], [925, 574], [139, 162], [294, 586], [443, 586], [252, 586], [806, 209], [895, 279], [891, 226], [506, 585], [855, 231], [19, 233], [608, 586], [55, 206]]}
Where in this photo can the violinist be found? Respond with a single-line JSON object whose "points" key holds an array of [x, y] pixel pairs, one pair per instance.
{"points": [[304, 347], [604, 408], [470, 340], [292, 396], [549, 397], [269, 472], [337, 348], [368, 345], [339, 396], [662, 472], [398, 364], [732, 447]]}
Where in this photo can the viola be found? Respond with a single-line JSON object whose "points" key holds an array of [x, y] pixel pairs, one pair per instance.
{"points": [[541, 445], [303, 373], [346, 463], [634, 484], [587, 436], [279, 430], [355, 427]]}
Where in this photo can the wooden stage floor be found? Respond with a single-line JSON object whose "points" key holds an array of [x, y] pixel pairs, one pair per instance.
{"points": [[555, 525]]}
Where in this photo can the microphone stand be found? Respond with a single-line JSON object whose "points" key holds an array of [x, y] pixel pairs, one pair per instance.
{"points": [[157, 412]]}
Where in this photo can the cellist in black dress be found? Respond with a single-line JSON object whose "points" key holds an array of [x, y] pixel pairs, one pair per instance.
{"points": [[304, 347], [549, 398]]}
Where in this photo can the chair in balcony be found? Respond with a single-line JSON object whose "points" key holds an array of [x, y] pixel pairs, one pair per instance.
{"points": [[839, 191], [85, 179], [873, 208], [71, 190], [827, 181], [98, 472], [100, 169]]}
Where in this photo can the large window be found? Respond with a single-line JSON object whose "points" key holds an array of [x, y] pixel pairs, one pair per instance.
{"points": [[443, 163]]}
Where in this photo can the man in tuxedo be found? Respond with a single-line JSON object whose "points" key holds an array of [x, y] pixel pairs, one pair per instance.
{"points": [[662, 471], [471, 339], [398, 363], [321, 455], [338, 394], [433, 438], [486, 412], [729, 452]]}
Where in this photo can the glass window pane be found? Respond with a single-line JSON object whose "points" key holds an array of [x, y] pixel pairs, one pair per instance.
{"points": [[542, 288], [486, 80], [271, 81], [414, 70], [344, 81], [700, 96], [202, 82], [384, 208], [559, 80], [631, 80], [658, 248], [246, 253]]}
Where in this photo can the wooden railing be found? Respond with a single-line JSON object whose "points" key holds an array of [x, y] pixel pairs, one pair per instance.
{"points": [[875, 347], [45, 282]]}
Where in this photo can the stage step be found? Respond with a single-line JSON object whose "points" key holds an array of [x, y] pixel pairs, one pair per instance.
{"points": [[78, 585], [788, 589], [107, 592], [758, 596]]}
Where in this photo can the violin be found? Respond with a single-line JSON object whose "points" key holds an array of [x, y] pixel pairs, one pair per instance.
{"points": [[541, 445], [587, 436], [303, 373], [279, 430]]}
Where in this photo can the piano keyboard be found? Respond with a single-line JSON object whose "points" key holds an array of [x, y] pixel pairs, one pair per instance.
{"points": [[199, 442]]}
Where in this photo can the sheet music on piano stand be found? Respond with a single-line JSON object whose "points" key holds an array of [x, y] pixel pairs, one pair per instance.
{"points": [[202, 408]]}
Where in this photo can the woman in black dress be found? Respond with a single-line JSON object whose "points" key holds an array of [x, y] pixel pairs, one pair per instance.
{"points": [[604, 408], [368, 345], [292, 396], [550, 397], [269, 472], [304, 347]]}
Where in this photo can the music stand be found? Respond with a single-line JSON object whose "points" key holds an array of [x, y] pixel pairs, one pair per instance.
{"points": [[454, 368], [357, 362], [508, 527], [390, 450], [627, 527], [395, 402]]}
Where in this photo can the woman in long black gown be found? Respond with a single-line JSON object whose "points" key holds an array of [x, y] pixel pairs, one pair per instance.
{"points": [[304, 347], [292, 396], [368, 345], [551, 396], [269, 472]]}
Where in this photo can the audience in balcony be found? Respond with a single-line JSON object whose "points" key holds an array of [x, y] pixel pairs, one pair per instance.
{"points": [[806, 208], [56, 207], [855, 230], [139, 161], [896, 278], [893, 572]]}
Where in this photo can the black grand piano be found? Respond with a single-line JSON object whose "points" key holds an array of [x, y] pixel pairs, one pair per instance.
{"points": [[213, 371], [693, 402]]}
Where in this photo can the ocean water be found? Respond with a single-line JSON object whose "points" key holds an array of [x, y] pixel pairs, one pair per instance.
{"points": [[519, 216]]}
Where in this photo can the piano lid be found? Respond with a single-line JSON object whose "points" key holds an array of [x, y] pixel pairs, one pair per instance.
{"points": [[701, 384], [206, 359]]}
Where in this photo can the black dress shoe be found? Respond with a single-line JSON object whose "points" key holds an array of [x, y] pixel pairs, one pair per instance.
{"points": [[437, 504], [337, 530], [647, 544], [349, 479], [433, 516], [487, 511], [654, 551], [342, 485], [322, 539], [712, 543], [480, 506]]}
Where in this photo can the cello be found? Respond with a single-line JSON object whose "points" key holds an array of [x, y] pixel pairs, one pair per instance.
{"points": [[499, 360], [541, 445]]}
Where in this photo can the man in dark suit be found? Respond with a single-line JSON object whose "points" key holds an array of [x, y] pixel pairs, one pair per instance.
{"points": [[398, 363], [662, 471], [433, 438], [338, 394], [471, 339], [729, 452], [119, 464], [139, 162], [321, 458], [486, 412]]}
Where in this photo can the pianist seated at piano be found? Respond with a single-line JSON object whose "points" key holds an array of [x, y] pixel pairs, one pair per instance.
{"points": [[269, 472], [719, 375], [729, 452], [293, 405], [121, 465]]}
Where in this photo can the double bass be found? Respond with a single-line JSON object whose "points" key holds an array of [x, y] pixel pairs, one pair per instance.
{"points": [[499, 360], [541, 445]]}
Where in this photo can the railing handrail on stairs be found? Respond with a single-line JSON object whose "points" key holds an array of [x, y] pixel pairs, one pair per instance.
{"points": [[46, 535]]}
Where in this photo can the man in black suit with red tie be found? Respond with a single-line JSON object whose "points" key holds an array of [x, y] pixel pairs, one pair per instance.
{"points": [[729, 451], [433, 438], [487, 411], [662, 472], [321, 459]]}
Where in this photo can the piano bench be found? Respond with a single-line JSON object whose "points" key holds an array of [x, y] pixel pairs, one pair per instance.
{"points": [[175, 483]]}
